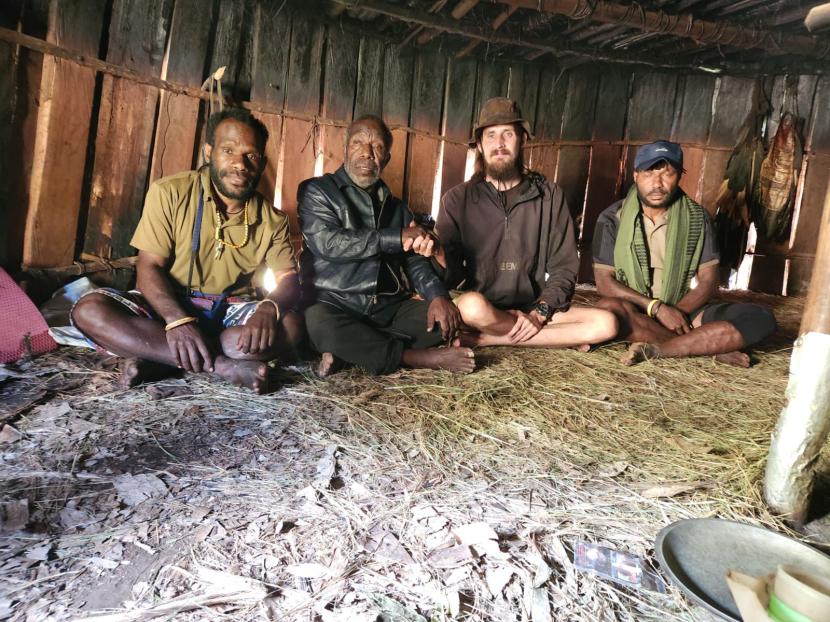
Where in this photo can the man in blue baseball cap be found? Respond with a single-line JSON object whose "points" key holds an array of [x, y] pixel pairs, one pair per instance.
{"points": [[648, 247]]}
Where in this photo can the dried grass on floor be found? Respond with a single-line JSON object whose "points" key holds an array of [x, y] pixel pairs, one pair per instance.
{"points": [[342, 499]]}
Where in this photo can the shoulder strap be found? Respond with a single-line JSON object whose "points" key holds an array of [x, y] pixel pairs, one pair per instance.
{"points": [[196, 238]]}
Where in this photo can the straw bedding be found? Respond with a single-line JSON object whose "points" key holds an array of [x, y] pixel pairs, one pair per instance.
{"points": [[416, 496]]}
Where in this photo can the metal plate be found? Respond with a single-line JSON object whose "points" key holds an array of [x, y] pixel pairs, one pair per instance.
{"points": [[696, 553]]}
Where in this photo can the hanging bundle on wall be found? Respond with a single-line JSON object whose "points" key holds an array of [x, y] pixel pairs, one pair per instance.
{"points": [[775, 191], [736, 196]]}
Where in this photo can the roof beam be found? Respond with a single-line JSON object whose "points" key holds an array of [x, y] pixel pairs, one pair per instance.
{"points": [[680, 25], [460, 10]]}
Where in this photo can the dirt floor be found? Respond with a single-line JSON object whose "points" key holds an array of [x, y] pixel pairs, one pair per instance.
{"points": [[415, 496]]}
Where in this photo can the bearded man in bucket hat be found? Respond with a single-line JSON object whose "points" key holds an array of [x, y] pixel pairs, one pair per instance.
{"points": [[507, 239]]}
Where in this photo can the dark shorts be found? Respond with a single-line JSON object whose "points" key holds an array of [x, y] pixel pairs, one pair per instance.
{"points": [[754, 322]]}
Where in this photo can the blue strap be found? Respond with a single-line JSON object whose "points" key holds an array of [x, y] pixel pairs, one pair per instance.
{"points": [[196, 238]]}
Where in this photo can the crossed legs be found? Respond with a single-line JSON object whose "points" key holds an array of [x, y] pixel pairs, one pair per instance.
{"points": [[713, 334], [143, 344], [579, 326]]}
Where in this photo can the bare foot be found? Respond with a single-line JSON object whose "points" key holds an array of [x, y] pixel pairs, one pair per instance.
{"points": [[250, 374], [456, 359], [640, 351], [469, 339], [586, 347], [329, 364], [134, 371], [736, 358]]}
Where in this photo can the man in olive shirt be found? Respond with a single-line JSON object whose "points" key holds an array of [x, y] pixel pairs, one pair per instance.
{"points": [[202, 236]]}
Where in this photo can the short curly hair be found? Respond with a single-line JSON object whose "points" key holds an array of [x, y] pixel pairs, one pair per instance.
{"points": [[236, 114]]}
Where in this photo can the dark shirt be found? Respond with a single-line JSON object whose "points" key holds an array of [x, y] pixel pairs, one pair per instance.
{"points": [[515, 247], [605, 238]]}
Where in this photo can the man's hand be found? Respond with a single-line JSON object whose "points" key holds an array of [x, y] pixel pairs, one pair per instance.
{"points": [[260, 331], [413, 232], [188, 346], [425, 245], [673, 319], [443, 311], [527, 326]]}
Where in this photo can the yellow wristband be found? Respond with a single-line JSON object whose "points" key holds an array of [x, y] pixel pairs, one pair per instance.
{"points": [[276, 306], [181, 322], [650, 308]]}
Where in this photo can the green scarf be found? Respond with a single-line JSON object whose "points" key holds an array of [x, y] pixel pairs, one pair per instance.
{"points": [[684, 243]]}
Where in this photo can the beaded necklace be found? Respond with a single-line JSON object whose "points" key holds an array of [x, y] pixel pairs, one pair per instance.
{"points": [[220, 242]]}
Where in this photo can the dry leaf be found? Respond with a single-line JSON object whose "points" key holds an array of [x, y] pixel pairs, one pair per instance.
{"points": [[327, 466], [135, 489], [451, 557], [613, 469], [475, 533], [9, 434], [308, 570], [671, 490], [497, 578], [384, 545]]}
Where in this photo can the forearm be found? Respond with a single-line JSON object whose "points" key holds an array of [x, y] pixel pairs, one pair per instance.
{"points": [[608, 285], [287, 292], [157, 288], [697, 297]]}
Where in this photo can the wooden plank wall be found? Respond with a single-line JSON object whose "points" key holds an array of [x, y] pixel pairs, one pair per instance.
{"points": [[103, 139]]}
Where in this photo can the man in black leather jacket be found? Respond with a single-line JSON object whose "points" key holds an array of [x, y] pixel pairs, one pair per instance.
{"points": [[356, 248]]}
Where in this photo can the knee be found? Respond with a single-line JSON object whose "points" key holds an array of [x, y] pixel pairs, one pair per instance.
{"points": [[475, 309], [606, 326], [89, 311]]}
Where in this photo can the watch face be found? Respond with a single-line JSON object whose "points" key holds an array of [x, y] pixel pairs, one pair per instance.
{"points": [[543, 308]]}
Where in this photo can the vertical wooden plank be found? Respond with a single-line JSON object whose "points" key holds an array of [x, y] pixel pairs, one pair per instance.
{"points": [[398, 71], [175, 140], [523, 86], [137, 38], [714, 168], [553, 90], [577, 124], [302, 95], [369, 94], [493, 81], [695, 109], [338, 92], [427, 100], [732, 103], [272, 34], [691, 181], [651, 109], [10, 129], [66, 92], [805, 240], [604, 174], [227, 45], [458, 120]]}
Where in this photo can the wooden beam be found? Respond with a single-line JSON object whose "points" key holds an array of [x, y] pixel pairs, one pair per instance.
{"points": [[488, 35], [680, 25]]}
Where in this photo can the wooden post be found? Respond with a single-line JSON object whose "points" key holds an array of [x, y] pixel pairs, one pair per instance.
{"points": [[804, 423]]}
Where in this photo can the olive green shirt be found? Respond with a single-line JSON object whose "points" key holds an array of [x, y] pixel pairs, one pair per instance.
{"points": [[166, 229]]}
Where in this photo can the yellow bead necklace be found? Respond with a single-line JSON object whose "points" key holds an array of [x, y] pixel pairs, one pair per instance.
{"points": [[220, 242]]}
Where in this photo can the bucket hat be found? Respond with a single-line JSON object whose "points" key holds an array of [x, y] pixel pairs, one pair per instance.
{"points": [[499, 111]]}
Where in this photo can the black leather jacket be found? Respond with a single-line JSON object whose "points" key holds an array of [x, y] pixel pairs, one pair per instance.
{"points": [[344, 249]]}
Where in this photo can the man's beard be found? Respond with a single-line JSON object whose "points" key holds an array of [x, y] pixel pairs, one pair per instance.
{"points": [[502, 170], [243, 194], [667, 200]]}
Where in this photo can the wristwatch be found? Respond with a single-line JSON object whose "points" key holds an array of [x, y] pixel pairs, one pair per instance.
{"points": [[543, 309]]}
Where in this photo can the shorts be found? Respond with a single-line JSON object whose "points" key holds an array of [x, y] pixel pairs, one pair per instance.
{"points": [[215, 313]]}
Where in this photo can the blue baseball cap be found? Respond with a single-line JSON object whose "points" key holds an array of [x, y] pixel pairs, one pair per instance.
{"points": [[652, 153]]}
